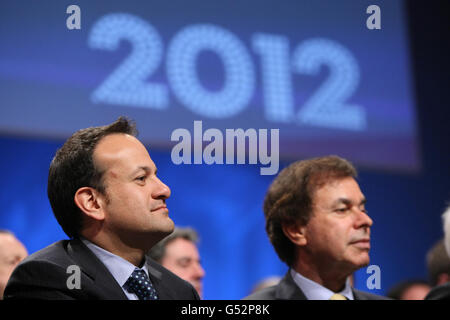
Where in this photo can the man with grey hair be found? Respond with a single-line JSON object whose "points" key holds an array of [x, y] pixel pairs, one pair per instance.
{"points": [[446, 220], [438, 264], [442, 292], [178, 253]]}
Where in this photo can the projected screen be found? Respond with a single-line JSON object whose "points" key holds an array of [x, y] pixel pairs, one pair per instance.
{"points": [[313, 70]]}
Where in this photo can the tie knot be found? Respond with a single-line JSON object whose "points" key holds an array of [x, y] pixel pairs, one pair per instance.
{"points": [[338, 296], [139, 274], [140, 284]]}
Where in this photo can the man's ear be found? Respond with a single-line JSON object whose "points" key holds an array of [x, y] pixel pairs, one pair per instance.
{"points": [[295, 232], [90, 202]]}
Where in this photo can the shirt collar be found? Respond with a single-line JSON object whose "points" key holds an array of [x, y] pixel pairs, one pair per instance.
{"points": [[120, 268], [315, 291]]}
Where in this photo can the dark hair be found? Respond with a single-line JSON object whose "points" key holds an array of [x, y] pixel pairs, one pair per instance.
{"points": [[398, 290], [438, 262], [5, 231], [289, 198], [159, 250], [73, 167]]}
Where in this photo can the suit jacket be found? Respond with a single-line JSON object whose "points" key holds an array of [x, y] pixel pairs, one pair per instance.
{"points": [[43, 275], [441, 292], [287, 289]]}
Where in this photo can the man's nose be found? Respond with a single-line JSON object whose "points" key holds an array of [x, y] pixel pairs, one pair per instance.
{"points": [[162, 191], [363, 219], [199, 271]]}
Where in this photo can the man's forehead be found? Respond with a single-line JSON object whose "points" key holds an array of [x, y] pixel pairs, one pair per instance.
{"points": [[9, 242], [340, 189], [116, 142], [122, 150], [7, 238], [181, 246]]}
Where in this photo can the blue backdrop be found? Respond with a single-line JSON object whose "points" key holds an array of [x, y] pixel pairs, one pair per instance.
{"points": [[224, 202]]}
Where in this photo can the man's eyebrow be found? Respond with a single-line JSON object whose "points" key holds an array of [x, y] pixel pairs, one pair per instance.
{"points": [[348, 201], [140, 168]]}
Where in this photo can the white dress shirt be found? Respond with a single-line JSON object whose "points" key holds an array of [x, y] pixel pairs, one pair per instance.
{"points": [[120, 268], [314, 291]]}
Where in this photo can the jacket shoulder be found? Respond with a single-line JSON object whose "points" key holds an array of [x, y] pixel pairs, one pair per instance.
{"points": [[42, 275], [263, 294], [56, 252], [361, 295], [441, 292]]}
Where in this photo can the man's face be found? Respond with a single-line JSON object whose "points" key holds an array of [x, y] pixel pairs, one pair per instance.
{"points": [[12, 252], [338, 233], [134, 206], [416, 292], [182, 258]]}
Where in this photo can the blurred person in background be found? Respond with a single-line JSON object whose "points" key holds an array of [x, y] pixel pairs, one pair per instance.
{"points": [[438, 264], [442, 291], [409, 290], [12, 251], [178, 253]]}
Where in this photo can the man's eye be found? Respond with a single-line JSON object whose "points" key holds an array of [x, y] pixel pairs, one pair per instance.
{"points": [[141, 178], [184, 263], [341, 209]]}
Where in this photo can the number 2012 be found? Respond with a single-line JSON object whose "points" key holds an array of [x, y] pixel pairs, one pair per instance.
{"points": [[128, 85]]}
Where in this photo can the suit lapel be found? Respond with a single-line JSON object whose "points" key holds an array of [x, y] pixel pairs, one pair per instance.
{"points": [[164, 291], [107, 286], [361, 295], [358, 296]]}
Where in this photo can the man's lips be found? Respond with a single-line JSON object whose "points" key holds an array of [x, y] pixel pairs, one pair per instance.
{"points": [[163, 206], [362, 243]]}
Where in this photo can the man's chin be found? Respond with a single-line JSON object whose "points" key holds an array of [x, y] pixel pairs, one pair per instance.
{"points": [[171, 226], [363, 262], [165, 226], [356, 263], [160, 231]]}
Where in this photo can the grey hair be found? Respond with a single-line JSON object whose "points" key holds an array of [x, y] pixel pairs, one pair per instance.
{"points": [[446, 223], [158, 251]]}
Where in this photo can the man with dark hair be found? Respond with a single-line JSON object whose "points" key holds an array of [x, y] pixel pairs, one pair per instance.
{"points": [[106, 196], [178, 253], [318, 224]]}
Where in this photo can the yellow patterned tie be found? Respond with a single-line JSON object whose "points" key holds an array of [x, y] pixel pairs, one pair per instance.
{"points": [[338, 296]]}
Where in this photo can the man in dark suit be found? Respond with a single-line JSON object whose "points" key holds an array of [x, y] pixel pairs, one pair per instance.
{"points": [[318, 224], [106, 196]]}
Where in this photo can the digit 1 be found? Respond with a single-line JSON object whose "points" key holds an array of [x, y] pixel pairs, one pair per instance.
{"points": [[276, 77]]}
